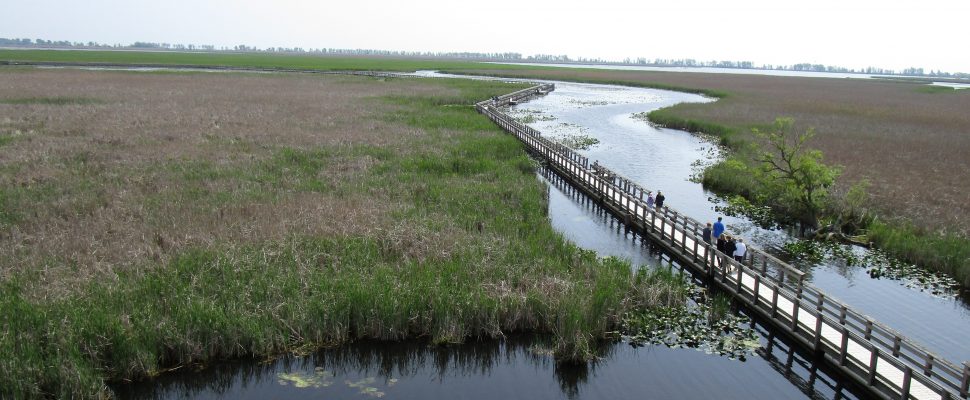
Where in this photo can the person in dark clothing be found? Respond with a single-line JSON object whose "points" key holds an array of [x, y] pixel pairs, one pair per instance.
{"points": [[660, 199], [728, 253], [721, 242], [706, 234], [729, 246]]}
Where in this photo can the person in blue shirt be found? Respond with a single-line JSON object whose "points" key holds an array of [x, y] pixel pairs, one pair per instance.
{"points": [[718, 228]]}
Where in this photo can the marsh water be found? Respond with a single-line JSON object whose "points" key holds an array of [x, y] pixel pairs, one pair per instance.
{"points": [[664, 160], [518, 367]]}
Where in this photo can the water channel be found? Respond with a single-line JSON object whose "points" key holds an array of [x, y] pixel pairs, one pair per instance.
{"points": [[659, 159]]}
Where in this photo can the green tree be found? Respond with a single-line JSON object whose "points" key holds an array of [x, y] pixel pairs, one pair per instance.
{"points": [[793, 175]]}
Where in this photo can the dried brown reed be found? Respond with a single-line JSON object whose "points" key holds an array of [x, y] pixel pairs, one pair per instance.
{"points": [[154, 163]]}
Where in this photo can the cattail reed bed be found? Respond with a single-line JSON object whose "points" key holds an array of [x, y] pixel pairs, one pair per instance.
{"points": [[185, 218]]}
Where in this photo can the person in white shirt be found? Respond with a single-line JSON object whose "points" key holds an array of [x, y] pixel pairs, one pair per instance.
{"points": [[739, 250]]}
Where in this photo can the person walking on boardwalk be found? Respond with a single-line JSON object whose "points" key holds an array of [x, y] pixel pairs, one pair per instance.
{"points": [[706, 234], [660, 199], [718, 229], [729, 248], [729, 245], [721, 242], [650, 200], [739, 250]]}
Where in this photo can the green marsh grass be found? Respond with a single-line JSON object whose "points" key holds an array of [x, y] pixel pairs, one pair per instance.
{"points": [[946, 253], [466, 251], [52, 101], [250, 60]]}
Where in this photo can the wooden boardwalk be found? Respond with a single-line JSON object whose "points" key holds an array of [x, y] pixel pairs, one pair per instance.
{"points": [[875, 356]]}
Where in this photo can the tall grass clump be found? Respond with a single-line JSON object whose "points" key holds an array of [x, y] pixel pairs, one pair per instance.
{"points": [[669, 119], [946, 253]]}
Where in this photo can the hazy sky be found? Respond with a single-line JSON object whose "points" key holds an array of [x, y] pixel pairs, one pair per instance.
{"points": [[932, 34]]}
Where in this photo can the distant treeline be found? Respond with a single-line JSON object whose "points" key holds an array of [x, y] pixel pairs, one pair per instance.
{"points": [[507, 56]]}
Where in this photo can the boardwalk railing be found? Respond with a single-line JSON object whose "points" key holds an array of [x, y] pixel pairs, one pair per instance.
{"points": [[874, 355]]}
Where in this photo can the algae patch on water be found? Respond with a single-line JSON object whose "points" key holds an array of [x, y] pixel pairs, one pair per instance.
{"points": [[573, 136], [527, 116], [317, 379], [576, 141], [367, 386], [321, 378]]}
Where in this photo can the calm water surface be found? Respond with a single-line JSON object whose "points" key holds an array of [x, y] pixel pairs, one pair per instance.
{"points": [[706, 70]]}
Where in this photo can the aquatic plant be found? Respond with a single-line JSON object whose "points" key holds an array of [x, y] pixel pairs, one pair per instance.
{"points": [[877, 263], [761, 215], [527, 116], [317, 379], [576, 141], [366, 387], [880, 264], [707, 325]]}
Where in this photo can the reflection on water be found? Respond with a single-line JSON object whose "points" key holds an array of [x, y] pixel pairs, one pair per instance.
{"points": [[514, 368], [953, 85]]}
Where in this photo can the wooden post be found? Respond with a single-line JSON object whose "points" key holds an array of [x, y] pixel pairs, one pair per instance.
{"points": [[774, 302], [896, 342], [817, 344], [683, 238], [757, 286], [965, 384], [740, 288], [844, 347], [723, 270], [673, 239], [907, 382], [868, 329], [872, 365], [794, 315], [842, 312]]}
